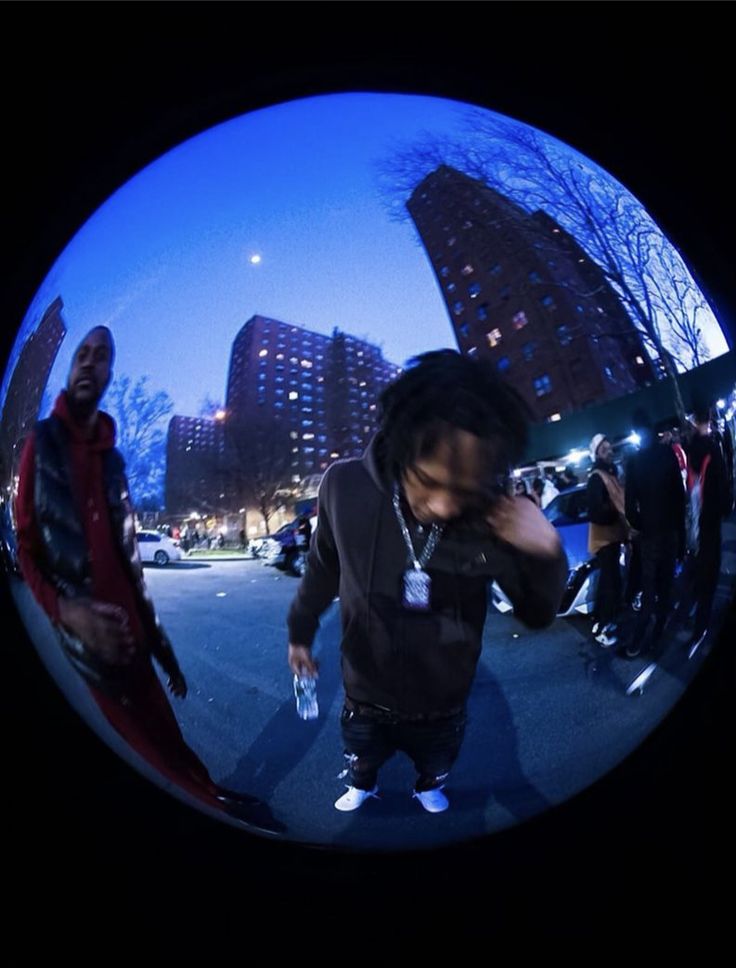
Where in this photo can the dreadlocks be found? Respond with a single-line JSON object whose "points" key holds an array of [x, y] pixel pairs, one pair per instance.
{"points": [[441, 390]]}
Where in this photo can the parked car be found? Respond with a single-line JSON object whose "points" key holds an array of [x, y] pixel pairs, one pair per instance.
{"points": [[156, 547], [568, 512], [285, 550]]}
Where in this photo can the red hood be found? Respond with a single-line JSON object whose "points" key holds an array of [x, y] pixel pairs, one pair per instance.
{"points": [[104, 437]]}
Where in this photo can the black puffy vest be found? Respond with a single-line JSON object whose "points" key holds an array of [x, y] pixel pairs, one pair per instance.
{"points": [[67, 564]]}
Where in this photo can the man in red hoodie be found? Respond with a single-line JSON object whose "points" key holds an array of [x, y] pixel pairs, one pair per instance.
{"points": [[78, 553]]}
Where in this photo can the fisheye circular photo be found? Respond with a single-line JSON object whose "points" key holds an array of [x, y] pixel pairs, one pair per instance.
{"points": [[367, 472]]}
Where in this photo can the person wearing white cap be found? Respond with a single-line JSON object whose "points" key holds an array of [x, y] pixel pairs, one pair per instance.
{"points": [[606, 531]]}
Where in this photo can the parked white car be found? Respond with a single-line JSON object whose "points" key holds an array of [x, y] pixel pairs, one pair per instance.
{"points": [[156, 547]]}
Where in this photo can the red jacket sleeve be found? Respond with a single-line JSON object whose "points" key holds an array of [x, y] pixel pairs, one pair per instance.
{"points": [[28, 535]]}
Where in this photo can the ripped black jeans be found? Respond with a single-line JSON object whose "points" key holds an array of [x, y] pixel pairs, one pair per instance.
{"points": [[370, 740]]}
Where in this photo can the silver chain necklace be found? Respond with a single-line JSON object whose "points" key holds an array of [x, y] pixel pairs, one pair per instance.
{"points": [[417, 583]]}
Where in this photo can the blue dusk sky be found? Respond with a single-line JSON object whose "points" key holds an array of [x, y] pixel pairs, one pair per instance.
{"points": [[166, 262]]}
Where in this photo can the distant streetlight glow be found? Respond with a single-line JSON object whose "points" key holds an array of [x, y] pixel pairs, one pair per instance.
{"points": [[634, 438], [575, 456], [220, 414], [720, 404]]}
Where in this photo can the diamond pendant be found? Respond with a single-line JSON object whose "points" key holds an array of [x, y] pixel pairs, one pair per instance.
{"points": [[417, 585]]}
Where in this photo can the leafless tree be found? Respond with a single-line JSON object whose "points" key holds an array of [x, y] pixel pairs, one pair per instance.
{"points": [[538, 173], [140, 414], [258, 463]]}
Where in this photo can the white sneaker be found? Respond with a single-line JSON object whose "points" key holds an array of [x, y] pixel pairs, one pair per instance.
{"points": [[433, 801], [642, 679], [354, 798], [695, 643], [605, 638]]}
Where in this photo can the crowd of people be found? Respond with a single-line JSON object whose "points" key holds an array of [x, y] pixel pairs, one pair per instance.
{"points": [[408, 538], [663, 515]]}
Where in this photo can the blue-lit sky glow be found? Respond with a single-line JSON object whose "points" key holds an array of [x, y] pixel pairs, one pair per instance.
{"points": [[166, 262]]}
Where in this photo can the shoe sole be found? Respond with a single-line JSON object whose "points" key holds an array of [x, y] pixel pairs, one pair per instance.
{"points": [[440, 809], [350, 808], [695, 646], [637, 685]]}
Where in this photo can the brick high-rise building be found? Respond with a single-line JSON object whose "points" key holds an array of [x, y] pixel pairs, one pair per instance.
{"points": [[27, 384], [320, 390], [195, 470], [522, 292]]}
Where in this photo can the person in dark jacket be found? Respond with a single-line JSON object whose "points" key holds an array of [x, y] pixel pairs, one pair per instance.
{"points": [[304, 530], [655, 507], [606, 532], [79, 556], [409, 536], [707, 470]]}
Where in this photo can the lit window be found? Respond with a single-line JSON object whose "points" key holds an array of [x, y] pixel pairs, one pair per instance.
{"points": [[451, 287], [464, 330], [452, 240], [307, 436], [263, 353], [554, 417], [542, 385], [494, 337], [519, 320], [457, 307], [293, 395], [528, 350], [639, 361], [279, 356], [445, 272], [474, 290], [467, 270], [307, 364]]}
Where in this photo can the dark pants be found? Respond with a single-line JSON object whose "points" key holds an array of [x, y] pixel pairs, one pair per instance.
{"points": [[658, 557], [633, 572], [701, 577], [608, 593], [433, 746], [142, 715]]}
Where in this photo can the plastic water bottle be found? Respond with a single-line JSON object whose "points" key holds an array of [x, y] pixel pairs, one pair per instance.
{"points": [[305, 690]]}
